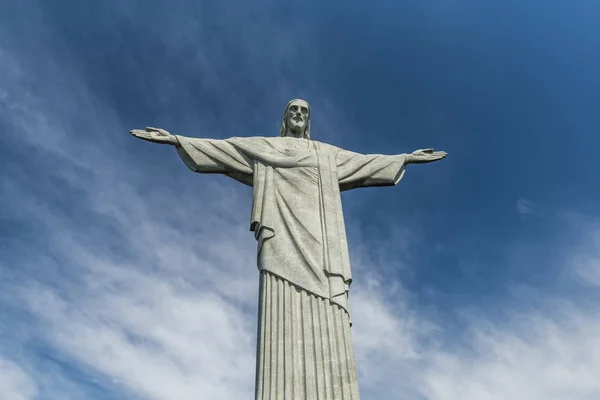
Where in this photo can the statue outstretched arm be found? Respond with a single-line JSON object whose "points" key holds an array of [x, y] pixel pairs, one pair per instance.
{"points": [[356, 170], [364, 170], [205, 155]]}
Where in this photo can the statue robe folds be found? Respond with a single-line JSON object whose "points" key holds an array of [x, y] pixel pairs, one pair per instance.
{"points": [[302, 253]]}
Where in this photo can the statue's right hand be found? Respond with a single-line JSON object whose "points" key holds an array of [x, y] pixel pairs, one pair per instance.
{"points": [[155, 135]]}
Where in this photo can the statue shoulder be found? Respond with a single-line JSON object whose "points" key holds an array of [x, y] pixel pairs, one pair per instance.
{"points": [[252, 139], [325, 147], [254, 144], [276, 142]]}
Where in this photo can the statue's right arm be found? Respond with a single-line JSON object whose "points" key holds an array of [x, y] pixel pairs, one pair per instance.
{"points": [[205, 155], [213, 156]]}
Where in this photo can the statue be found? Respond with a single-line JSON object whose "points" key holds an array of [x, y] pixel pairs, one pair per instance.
{"points": [[304, 348]]}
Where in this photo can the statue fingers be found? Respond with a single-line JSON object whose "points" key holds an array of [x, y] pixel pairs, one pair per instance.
{"points": [[158, 131], [146, 135], [423, 152], [139, 133]]}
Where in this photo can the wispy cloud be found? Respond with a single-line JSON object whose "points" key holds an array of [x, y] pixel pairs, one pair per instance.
{"points": [[525, 206], [15, 384], [586, 261], [548, 353]]}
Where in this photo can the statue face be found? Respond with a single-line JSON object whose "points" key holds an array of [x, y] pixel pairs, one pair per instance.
{"points": [[296, 117]]}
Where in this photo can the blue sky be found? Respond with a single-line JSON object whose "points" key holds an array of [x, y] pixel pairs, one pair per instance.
{"points": [[125, 276]]}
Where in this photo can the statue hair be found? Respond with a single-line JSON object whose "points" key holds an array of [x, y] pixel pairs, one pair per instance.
{"points": [[306, 134]]}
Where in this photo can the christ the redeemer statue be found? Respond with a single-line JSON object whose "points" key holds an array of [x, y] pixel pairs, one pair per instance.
{"points": [[304, 348]]}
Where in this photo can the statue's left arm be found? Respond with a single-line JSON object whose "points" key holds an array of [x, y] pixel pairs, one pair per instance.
{"points": [[356, 170]]}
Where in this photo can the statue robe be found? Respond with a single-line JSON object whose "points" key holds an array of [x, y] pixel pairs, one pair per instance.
{"points": [[304, 345]]}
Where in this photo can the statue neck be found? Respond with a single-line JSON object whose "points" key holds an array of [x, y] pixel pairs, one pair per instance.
{"points": [[291, 133]]}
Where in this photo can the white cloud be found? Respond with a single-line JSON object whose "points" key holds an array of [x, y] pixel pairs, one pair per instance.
{"points": [[546, 354], [15, 384], [168, 312]]}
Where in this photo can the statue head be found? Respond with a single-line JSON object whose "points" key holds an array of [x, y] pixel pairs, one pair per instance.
{"points": [[296, 119]]}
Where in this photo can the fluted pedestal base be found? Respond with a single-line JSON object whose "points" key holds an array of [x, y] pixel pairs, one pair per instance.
{"points": [[304, 346]]}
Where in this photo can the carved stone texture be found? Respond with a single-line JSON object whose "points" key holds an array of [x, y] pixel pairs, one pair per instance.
{"points": [[304, 348]]}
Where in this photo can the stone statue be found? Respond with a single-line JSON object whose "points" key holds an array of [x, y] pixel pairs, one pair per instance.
{"points": [[304, 348]]}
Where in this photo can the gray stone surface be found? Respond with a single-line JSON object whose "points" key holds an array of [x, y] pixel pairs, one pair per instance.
{"points": [[304, 342]]}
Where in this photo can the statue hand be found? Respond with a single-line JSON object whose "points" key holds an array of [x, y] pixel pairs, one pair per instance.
{"points": [[155, 135], [425, 156]]}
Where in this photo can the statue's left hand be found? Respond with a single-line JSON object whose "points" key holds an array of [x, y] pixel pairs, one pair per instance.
{"points": [[155, 135], [425, 156]]}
